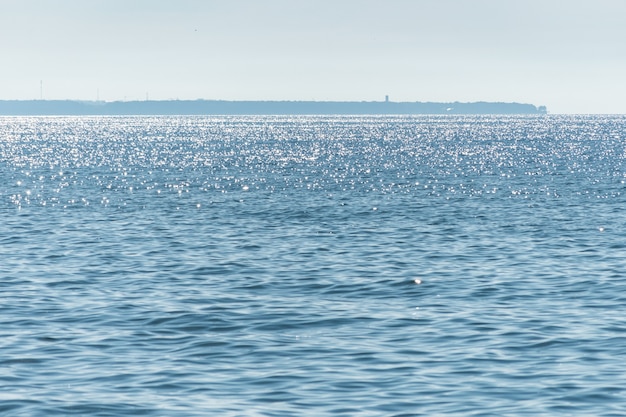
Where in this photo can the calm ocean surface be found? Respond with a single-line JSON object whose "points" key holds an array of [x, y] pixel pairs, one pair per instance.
{"points": [[266, 266]]}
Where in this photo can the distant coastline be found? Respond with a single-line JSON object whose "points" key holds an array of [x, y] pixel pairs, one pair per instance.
{"points": [[223, 107]]}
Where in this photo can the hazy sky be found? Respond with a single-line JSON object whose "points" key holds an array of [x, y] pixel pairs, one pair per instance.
{"points": [[569, 55]]}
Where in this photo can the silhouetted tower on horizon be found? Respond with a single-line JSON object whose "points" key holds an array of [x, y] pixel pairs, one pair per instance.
{"points": [[386, 99]]}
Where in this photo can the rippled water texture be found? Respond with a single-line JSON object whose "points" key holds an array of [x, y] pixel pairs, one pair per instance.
{"points": [[266, 266]]}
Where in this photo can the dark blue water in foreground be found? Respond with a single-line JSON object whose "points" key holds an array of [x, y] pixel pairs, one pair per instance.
{"points": [[266, 266]]}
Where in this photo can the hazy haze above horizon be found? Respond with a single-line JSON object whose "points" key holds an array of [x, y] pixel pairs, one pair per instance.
{"points": [[567, 55]]}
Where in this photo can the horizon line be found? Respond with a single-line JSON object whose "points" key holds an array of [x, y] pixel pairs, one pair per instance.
{"points": [[386, 100]]}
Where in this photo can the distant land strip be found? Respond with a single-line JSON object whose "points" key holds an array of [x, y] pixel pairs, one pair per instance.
{"points": [[222, 107]]}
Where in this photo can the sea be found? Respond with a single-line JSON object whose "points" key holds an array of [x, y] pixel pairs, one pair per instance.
{"points": [[313, 266]]}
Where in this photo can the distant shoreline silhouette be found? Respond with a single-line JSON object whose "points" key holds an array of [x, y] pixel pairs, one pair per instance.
{"points": [[224, 107]]}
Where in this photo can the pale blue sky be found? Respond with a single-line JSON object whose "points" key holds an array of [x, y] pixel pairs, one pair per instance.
{"points": [[569, 55]]}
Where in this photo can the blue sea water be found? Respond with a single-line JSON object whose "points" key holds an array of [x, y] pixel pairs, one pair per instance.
{"points": [[267, 266]]}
